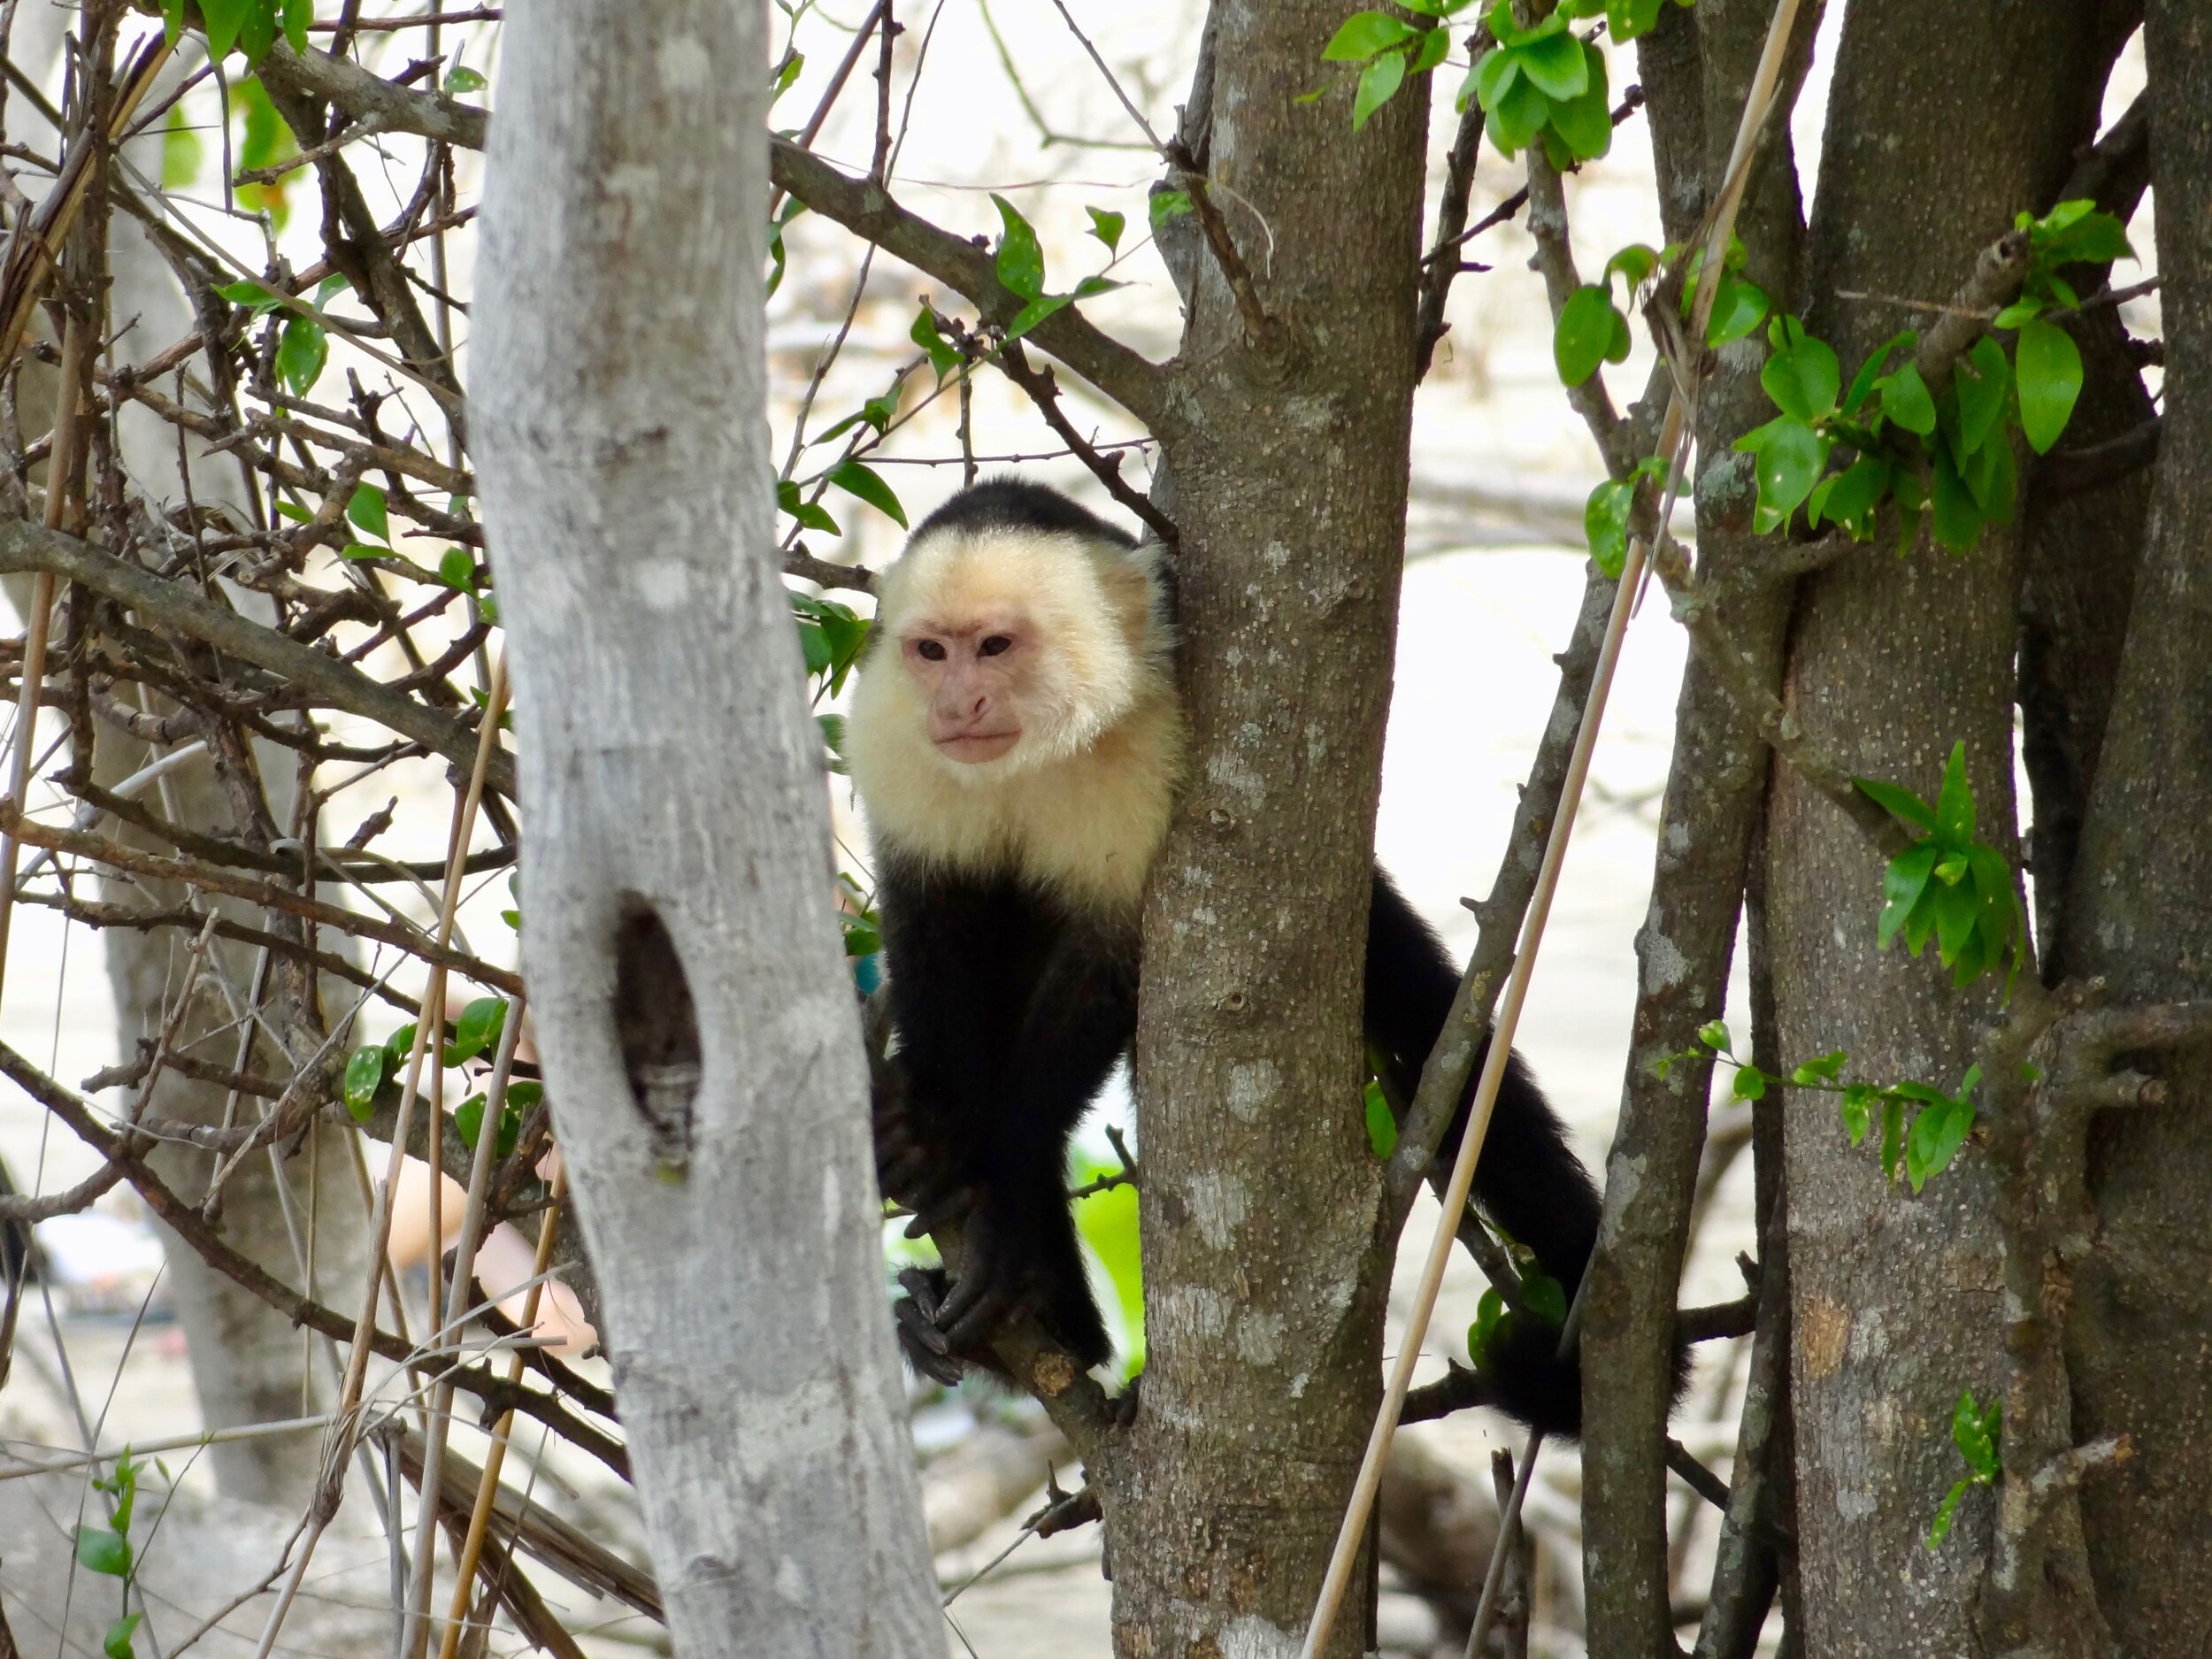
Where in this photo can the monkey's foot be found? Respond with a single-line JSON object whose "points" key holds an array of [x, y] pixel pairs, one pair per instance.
{"points": [[915, 1314]]}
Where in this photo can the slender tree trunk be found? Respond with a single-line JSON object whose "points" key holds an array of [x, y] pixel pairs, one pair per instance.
{"points": [[1261, 1194], [1939, 129], [698, 1026], [2139, 915]]}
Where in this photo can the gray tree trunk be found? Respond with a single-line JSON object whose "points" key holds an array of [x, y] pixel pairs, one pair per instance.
{"points": [[1260, 1201], [249, 1364], [2140, 914], [1895, 1300], [698, 1027]]}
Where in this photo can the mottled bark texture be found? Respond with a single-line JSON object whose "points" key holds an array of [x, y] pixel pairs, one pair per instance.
{"points": [[1940, 127], [1716, 783], [1261, 1196], [2140, 915], [687, 983]]}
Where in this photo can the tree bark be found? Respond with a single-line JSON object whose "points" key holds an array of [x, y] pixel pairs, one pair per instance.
{"points": [[689, 991], [1265, 1279], [2140, 915], [1895, 1296]]}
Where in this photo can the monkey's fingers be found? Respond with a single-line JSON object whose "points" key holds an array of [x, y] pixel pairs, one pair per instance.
{"points": [[970, 1316], [926, 1347], [946, 1198]]}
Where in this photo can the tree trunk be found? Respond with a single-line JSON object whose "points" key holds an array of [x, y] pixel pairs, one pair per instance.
{"points": [[1938, 132], [689, 999], [1265, 1276], [2140, 914]]}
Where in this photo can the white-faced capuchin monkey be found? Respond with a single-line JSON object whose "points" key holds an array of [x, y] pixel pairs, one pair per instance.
{"points": [[1017, 745]]}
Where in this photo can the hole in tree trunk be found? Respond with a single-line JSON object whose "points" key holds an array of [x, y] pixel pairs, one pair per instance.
{"points": [[657, 1026]]}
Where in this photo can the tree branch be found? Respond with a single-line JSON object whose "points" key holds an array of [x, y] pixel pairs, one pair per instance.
{"points": [[867, 210], [26, 547]]}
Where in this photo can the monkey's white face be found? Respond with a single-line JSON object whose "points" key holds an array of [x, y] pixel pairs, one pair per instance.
{"points": [[975, 678]]}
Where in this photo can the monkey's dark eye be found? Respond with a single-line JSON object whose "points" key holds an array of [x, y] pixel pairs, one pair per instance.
{"points": [[930, 651], [994, 645]]}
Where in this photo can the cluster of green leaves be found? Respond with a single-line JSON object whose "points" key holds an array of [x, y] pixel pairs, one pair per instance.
{"points": [[1939, 1122], [1543, 82], [1019, 260], [251, 26], [1543, 1298], [375, 1073], [1975, 1432], [107, 1551], [303, 347], [523, 1095], [1592, 330], [1948, 457], [832, 636], [1538, 79], [1947, 885]]}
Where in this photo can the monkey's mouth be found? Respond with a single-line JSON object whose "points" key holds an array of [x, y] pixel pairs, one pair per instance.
{"points": [[972, 749]]}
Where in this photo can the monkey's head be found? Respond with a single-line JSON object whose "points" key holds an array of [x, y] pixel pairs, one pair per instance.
{"points": [[1002, 647]]}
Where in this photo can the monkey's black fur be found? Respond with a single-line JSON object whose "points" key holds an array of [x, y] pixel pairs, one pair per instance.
{"points": [[1010, 1008]]}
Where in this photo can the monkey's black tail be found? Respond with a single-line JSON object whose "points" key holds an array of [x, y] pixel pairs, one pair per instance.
{"points": [[1528, 1180]]}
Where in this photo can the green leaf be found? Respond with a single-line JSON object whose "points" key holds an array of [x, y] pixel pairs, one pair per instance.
{"points": [[297, 15], [1802, 378], [1904, 880], [1035, 312], [1520, 112], [1850, 496], [479, 1026], [1635, 263], [1957, 519], [1365, 34], [1165, 207], [2049, 366], [1543, 1296], [1937, 1135], [1906, 401], [1021, 260], [944, 357], [856, 479], [102, 1551], [1585, 124], [116, 1643], [1493, 75], [1956, 910], [1858, 1109], [223, 19], [255, 298], [1990, 478], [1790, 459], [367, 510], [259, 31], [1605, 524], [1435, 46], [1982, 381], [1823, 1070], [1382, 1128], [1378, 83], [457, 569], [1713, 1034], [1863, 383], [1976, 1433], [1107, 227], [1897, 801], [1584, 334], [1955, 803], [301, 351], [1750, 1083], [172, 27], [1490, 1314], [1945, 1512], [365, 1075], [1555, 65], [1625, 20], [461, 79], [1739, 307], [468, 1123]]}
